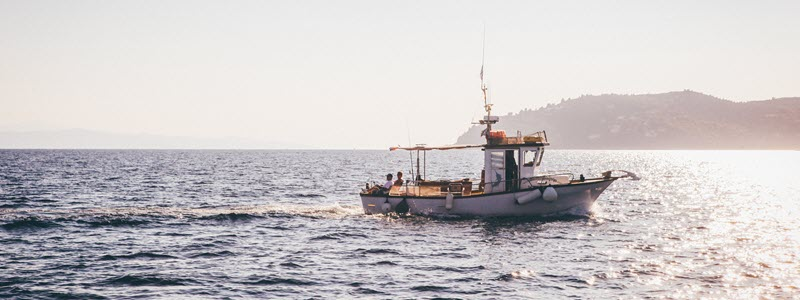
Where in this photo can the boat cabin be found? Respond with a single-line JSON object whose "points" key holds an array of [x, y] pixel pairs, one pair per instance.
{"points": [[510, 164]]}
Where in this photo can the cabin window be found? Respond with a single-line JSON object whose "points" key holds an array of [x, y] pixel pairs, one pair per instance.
{"points": [[498, 160], [528, 158], [539, 162]]}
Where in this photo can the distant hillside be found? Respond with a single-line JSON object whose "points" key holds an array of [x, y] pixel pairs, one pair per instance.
{"points": [[674, 120]]}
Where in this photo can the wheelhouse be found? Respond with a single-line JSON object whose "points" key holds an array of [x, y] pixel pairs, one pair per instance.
{"points": [[510, 164]]}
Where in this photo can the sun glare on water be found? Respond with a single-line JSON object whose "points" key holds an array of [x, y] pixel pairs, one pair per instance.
{"points": [[741, 220]]}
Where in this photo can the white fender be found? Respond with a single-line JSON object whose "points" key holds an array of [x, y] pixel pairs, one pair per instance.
{"points": [[527, 197], [550, 194], [386, 207], [448, 201]]}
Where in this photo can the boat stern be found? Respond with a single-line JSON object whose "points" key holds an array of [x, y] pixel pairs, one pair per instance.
{"points": [[375, 204]]}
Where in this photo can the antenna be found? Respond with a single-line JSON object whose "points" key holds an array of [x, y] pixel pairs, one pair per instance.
{"points": [[483, 64], [408, 131], [410, 154], [488, 120]]}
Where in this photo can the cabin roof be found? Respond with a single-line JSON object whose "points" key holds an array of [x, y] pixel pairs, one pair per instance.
{"points": [[506, 146], [446, 147], [456, 147]]}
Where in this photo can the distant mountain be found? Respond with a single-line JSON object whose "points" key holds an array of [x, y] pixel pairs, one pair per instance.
{"points": [[674, 120], [89, 139]]}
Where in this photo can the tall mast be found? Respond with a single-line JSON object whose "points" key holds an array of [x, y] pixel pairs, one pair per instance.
{"points": [[483, 83], [487, 120]]}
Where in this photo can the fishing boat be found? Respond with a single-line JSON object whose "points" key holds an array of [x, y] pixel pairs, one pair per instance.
{"points": [[511, 182]]}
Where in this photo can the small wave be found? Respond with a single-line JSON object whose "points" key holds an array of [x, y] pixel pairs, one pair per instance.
{"points": [[290, 265], [211, 254], [302, 195], [452, 255], [276, 227], [15, 202], [516, 275], [203, 247], [385, 263], [114, 222], [13, 206], [16, 199], [30, 223], [22, 293], [378, 251], [13, 240], [367, 291], [67, 266], [231, 217], [324, 237], [12, 281], [277, 281], [453, 269], [61, 295], [139, 255], [147, 280], [430, 288], [45, 201], [173, 233], [467, 279], [338, 236]]}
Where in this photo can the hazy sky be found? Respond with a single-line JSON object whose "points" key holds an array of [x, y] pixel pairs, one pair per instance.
{"points": [[363, 74]]}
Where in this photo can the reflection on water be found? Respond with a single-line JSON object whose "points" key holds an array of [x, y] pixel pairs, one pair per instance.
{"points": [[715, 224]]}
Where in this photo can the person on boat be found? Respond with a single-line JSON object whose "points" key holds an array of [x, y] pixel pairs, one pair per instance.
{"points": [[389, 183], [382, 189], [399, 181]]}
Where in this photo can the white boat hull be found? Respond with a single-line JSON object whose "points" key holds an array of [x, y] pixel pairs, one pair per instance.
{"points": [[572, 198]]}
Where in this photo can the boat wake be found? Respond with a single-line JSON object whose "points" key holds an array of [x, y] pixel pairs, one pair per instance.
{"points": [[21, 219]]}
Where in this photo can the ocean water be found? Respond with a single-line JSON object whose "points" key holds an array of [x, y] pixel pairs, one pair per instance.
{"points": [[288, 224]]}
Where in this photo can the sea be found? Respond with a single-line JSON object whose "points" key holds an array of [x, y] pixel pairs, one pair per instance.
{"points": [[288, 224]]}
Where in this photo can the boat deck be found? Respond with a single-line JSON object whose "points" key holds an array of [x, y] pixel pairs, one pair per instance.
{"points": [[465, 188]]}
